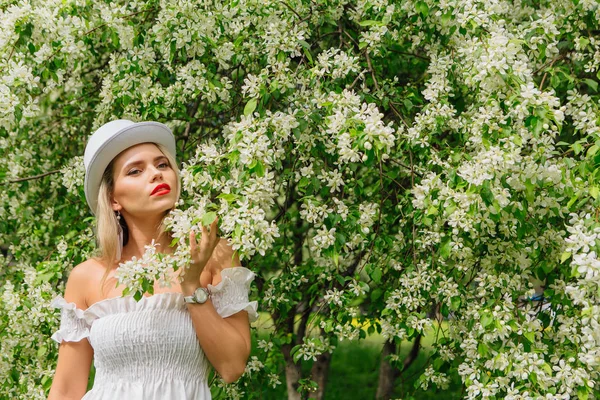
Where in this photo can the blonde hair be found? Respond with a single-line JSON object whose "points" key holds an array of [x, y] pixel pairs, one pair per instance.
{"points": [[107, 224]]}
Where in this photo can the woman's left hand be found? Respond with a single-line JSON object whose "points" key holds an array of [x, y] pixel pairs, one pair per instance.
{"points": [[201, 254]]}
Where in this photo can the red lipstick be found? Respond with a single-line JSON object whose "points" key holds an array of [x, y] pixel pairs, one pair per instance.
{"points": [[162, 187]]}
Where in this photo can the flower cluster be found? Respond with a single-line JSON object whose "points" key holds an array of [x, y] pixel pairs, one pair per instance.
{"points": [[138, 276], [313, 347]]}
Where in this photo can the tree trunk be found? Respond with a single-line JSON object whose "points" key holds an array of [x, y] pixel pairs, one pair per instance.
{"points": [[387, 373], [414, 353], [293, 373], [319, 372]]}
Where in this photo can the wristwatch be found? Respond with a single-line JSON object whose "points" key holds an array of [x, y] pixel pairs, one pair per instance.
{"points": [[200, 296]]}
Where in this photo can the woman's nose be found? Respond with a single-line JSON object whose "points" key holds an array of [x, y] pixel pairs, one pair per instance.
{"points": [[156, 172]]}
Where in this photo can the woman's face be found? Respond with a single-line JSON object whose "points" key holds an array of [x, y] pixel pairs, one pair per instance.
{"points": [[137, 171]]}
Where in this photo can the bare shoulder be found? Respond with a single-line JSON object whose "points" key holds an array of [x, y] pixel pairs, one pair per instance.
{"points": [[87, 271], [80, 280]]}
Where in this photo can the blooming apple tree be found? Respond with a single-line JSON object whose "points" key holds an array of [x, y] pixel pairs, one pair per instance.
{"points": [[397, 168]]}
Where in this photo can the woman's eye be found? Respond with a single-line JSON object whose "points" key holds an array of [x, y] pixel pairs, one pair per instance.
{"points": [[137, 170]]}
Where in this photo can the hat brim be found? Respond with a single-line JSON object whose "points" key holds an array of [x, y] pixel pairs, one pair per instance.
{"points": [[131, 135]]}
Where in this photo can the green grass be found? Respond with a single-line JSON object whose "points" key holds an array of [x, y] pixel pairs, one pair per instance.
{"points": [[354, 369]]}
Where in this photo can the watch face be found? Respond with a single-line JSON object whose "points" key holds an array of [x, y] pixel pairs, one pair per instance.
{"points": [[201, 295]]}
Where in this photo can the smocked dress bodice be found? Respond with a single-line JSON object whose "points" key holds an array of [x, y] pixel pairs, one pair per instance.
{"points": [[148, 349]]}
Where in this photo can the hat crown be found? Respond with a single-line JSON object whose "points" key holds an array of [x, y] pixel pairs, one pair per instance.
{"points": [[102, 134]]}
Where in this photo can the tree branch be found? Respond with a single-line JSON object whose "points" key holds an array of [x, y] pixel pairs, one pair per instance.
{"points": [[409, 54], [30, 177], [371, 69], [291, 9]]}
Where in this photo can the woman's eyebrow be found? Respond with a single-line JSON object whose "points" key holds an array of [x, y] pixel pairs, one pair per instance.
{"points": [[131, 164]]}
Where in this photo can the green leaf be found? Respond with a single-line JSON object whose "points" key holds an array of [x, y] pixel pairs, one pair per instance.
{"points": [[114, 37], [304, 181], [582, 392], [533, 378], [208, 218], [446, 17], [294, 353], [307, 53], [565, 256], [18, 112], [145, 285], [573, 200], [370, 22], [250, 106], [44, 277], [376, 293], [592, 84], [486, 320], [376, 275], [450, 207], [486, 193], [555, 81], [455, 301], [422, 8], [547, 368], [592, 150], [41, 351], [228, 197], [529, 336], [445, 248], [258, 168], [295, 349], [482, 349], [529, 191], [583, 42]]}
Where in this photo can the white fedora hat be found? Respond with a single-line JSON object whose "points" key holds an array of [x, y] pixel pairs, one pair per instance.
{"points": [[110, 140]]}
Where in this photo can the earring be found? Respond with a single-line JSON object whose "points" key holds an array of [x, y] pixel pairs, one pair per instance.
{"points": [[120, 240]]}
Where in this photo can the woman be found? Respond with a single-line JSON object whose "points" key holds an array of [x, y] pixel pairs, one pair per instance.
{"points": [[161, 346]]}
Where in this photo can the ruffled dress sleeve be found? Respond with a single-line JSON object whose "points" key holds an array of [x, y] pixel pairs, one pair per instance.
{"points": [[73, 326], [230, 296]]}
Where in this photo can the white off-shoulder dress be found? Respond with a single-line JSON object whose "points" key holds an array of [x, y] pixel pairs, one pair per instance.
{"points": [[148, 350]]}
